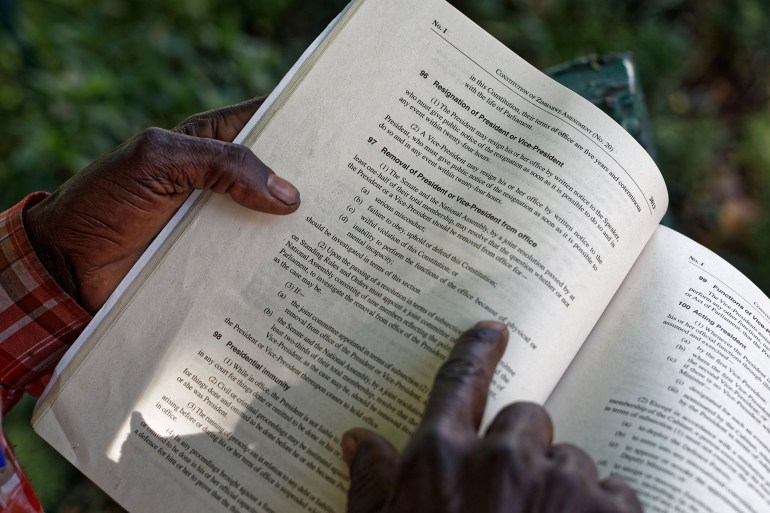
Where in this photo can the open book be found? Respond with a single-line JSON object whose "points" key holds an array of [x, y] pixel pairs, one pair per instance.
{"points": [[444, 181]]}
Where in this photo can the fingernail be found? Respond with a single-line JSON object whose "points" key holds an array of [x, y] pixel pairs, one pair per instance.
{"points": [[348, 444], [492, 325], [282, 190]]}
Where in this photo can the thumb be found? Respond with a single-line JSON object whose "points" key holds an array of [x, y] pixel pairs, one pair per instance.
{"points": [[172, 164], [373, 464]]}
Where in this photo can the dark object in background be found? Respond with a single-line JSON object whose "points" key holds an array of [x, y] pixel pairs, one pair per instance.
{"points": [[611, 82]]}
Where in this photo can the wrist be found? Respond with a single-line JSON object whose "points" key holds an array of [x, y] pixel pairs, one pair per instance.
{"points": [[41, 235]]}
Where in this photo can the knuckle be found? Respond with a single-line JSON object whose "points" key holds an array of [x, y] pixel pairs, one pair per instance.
{"points": [[569, 454], [237, 161], [460, 370], [566, 476], [431, 443], [150, 142], [504, 456], [520, 410], [525, 421], [622, 494], [504, 461], [575, 459], [241, 155], [572, 485], [196, 125], [461, 373], [158, 161], [432, 439]]}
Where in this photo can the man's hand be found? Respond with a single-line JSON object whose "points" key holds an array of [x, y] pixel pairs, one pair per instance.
{"points": [[95, 227], [448, 468]]}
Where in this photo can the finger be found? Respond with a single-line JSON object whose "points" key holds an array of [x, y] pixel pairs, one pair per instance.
{"points": [[461, 386], [525, 425], [502, 473], [622, 495], [573, 459], [222, 124], [373, 464], [173, 164]]}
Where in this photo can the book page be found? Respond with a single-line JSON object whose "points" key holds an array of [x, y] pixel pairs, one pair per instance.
{"points": [[444, 181], [494, 191], [671, 390]]}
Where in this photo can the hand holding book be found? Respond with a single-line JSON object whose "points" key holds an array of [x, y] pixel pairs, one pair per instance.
{"points": [[92, 230]]}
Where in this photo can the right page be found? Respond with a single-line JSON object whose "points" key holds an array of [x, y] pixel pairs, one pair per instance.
{"points": [[671, 390]]}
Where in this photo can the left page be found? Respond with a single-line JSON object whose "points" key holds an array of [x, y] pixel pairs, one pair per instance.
{"points": [[444, 181]]}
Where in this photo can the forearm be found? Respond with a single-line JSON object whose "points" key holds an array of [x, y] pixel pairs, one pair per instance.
{"points": [[38, 320]]}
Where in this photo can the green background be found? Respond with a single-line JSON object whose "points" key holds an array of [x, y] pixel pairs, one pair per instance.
{"points": [[77, 77]]}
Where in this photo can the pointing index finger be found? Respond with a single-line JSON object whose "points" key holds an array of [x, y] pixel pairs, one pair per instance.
{"points": [[461, 386]]}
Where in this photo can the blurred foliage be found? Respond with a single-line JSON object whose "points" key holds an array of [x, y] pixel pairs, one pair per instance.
{"points": [[78, 77]]}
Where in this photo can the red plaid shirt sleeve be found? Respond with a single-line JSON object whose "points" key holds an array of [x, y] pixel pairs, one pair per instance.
{"points": [[38, 322]]}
